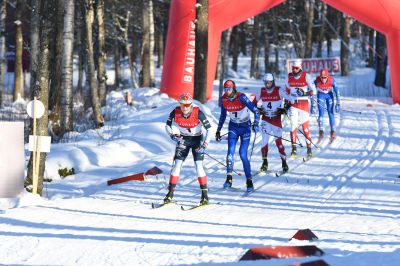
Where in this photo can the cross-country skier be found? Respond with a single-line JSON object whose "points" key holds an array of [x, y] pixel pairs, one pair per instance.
{"points": [[190, 121], [326, 88], [239, 106], [272, 99], [300, 86]]}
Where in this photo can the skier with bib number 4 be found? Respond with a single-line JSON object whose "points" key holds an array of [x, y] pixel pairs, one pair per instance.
{"points": [[190, 121], [272, 97], [239, 106]]}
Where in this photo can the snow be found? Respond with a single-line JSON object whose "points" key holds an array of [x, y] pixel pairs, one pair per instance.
{"points": [[348, 194]]}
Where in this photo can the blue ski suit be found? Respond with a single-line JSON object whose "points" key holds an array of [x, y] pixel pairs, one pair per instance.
{"points": [[239, 127]]}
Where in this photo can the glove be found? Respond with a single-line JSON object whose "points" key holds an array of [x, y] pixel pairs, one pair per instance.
{"points": [[202, 147], [261, 111], [337, 107], [254, 127], [218, 136], [313, 109], [281, 111], [300, 92], [178, 139]]}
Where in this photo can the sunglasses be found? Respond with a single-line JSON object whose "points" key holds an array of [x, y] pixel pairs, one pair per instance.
{"points": [[228, 89], [295, 68], [324, 77], [186, 104]]}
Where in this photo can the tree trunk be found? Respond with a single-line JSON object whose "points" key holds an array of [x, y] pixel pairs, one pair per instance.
{"points": [[371, 48], [42, 90], [381, 61], [91, 71], [201, 51], [67, 69], [254, 48], [226, 37], [322, 29], [235, 49], [34, 27], [18, 77], [267, 67], [56, 72], [147, 73], [128, 51], [310, 21], [160, 45], [3, 4], [117, 65], [80, 46], [276, 40], [243, 38], [101, 58], [344, 50]]}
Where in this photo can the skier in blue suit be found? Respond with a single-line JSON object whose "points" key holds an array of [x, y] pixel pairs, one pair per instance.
{"points": [[326, 88], [240, 126]]}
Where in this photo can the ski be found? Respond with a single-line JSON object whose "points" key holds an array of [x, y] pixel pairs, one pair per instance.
{"points": [[199, 206], [306, 159], [280, 173], [160, 205]]}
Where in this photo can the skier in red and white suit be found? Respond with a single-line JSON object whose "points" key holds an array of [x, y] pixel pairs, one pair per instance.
{"points": [[190, 121], [272, 97], [300, 87]]}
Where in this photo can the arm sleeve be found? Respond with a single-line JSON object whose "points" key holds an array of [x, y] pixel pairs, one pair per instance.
{"points": [[168, 124], [336, 90], [203, 119], [250, 105], [311, 84], [222, 117]]}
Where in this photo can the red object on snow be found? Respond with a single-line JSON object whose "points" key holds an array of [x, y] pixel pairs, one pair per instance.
{"points": [[312, 263], [305, 234], [281, 252], [135, 177], [370, 105]]}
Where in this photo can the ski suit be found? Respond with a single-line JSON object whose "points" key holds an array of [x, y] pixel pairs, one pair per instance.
{"points": [[325, 97], [239, 127], [271, 123], [300, 88], [191, 137]]}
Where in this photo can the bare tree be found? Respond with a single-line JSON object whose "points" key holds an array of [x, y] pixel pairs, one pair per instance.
{"points": [[128, 51], [201, 51], [34, 51], [67, 69], [344, 45], [381, 60], [371, 35], [18, 75], [265, 32], [91, 71], [3, 4], [101, 58], [310, 20], [147, 73], [41, 90], [322, 29], [80, 46], [235, 49], [225, 39], [255, 48]]}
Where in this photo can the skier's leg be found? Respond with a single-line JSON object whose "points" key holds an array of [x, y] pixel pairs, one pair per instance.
{"points": [[264, 149], [329, 107], [294, 118], [244, 145], [232, 140], [321, 112], [181, 152]]}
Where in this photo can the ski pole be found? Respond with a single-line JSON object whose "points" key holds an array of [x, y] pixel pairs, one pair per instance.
{"points": [[348, 111], [294, 142], [301, 145], [306, 137], [239, 174], [252, 146]]}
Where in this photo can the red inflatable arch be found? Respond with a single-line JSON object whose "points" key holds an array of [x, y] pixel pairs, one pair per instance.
{"points": [[178, 69]]}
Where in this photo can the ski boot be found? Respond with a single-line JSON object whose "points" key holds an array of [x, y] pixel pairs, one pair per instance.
{"points": [[333, 136], [294, 151], [309, 153], [264, 166], [321, 136], [169, 196], [228, 182], [204, 196], [250, 186], [285, 167]]}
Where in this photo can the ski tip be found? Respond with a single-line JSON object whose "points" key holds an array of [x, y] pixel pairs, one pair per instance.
{"points": [[182, 208]]}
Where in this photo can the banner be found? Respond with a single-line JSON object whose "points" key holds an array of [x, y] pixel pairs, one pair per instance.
{"points": [[315, 65]]}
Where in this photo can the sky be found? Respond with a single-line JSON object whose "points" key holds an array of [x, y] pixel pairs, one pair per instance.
{"points": [[347, 194]]}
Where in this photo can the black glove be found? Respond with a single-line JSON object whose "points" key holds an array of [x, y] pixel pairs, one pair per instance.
{"points": [[281, 111], [218, 136], [254, 127]]}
